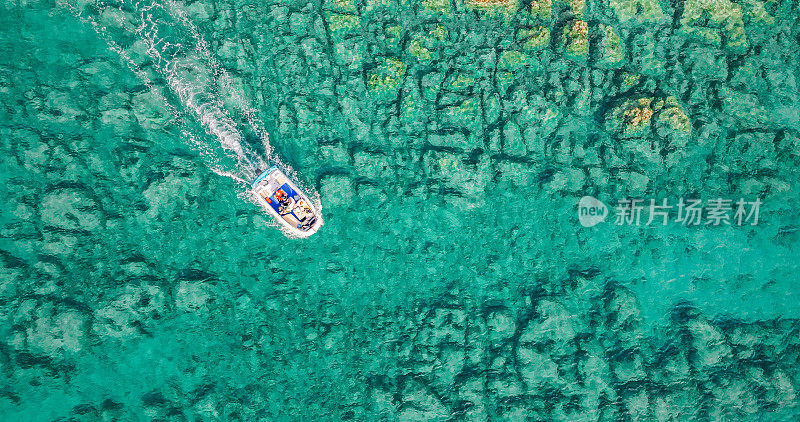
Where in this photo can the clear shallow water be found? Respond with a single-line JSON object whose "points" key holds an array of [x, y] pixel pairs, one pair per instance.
{"points": [[452, 279]]}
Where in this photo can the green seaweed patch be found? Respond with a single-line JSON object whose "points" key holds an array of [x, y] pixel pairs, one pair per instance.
{"points": [[439, 32], [629, 80], [700, 15], [340, 22], [462, 81], [371, 5], [504, 80], [387, 76], [413, 111], [392, 34], [642, 10], [611, 47], [671, 114], [394, 31], [416, 49], [551, 119], [463, 114], [757, 13], [535, 39], [708, 36], [512, 60], [578, 7], [503, 7], [437, 6], [344, 6], [636, 118], [422, 47], [632, 118], [542, 9]]}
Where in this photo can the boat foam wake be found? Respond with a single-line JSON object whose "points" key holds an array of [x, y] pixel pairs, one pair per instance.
{"points": [[166, 50]]}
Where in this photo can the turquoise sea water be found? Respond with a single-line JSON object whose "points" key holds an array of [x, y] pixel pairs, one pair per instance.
{"points": [[448, 143]]}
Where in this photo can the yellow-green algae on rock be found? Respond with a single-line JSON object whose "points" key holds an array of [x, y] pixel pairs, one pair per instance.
{"points": [[387, 76], [723, 14], [642, 10], [611, 47], [575, 39], [542, 8], [341, 15], [535, 38], [635, 117], [497, 6], [424, 45], [441, 6]]}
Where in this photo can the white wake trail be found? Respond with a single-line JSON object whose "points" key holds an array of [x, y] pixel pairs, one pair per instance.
{"points": [[166, 50], [225, 80], [102, 31], [192, 80]]}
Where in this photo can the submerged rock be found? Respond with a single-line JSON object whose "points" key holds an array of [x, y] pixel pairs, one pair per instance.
{"points": [[53, 330], [132, 313], [71, 209]]}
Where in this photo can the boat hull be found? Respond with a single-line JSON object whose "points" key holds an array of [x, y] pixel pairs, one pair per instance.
{"points": [[286, 203]]}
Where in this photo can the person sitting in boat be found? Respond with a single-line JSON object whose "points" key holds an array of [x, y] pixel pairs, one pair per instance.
{"points": [[302, 210], [281, 196], [283, 200]]}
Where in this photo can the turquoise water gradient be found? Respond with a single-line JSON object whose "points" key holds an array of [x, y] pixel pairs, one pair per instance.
{"points": [[449, 145]]}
